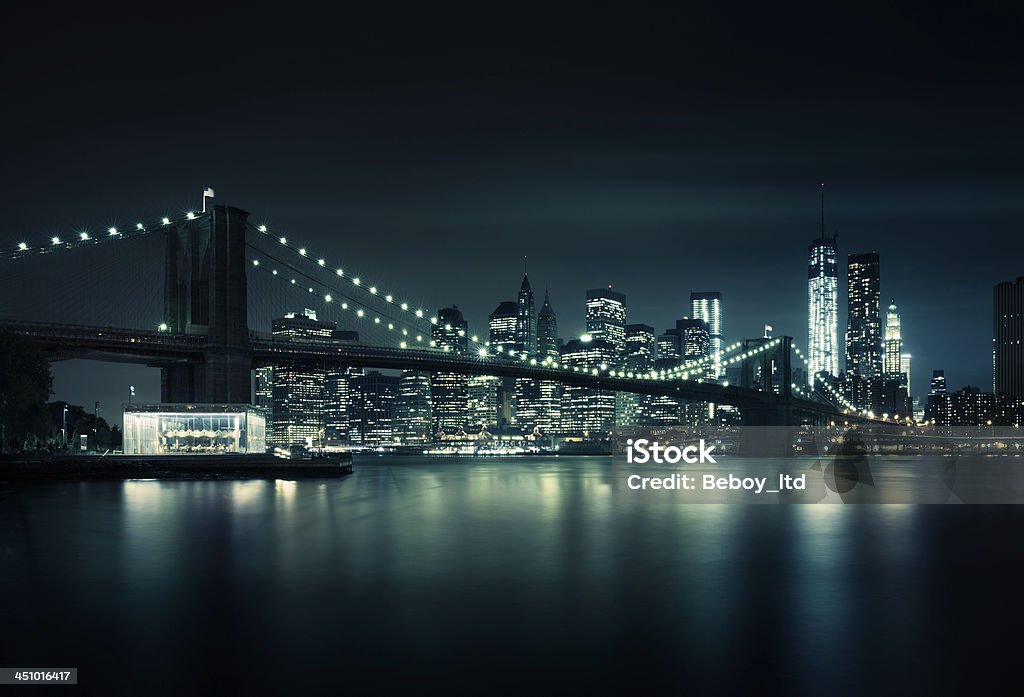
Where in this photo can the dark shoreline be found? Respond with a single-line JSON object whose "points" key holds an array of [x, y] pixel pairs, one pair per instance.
{"points": [[197, 467]]}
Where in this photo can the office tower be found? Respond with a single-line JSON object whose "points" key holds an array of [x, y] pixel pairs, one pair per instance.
{"points": [[938, 388], [482, 402], [669, 353], [549, 392], [547, 330], [298, 387], [641, 348], [337, 403], [864, 322], [708, 307], [822, 284], [695, 341], [606, 319], [905, 367], [633, 409], [526, 319], [864, 332], [412, 408], [893, 369], [263, 396], [1008, 335], [449, 391], [526, 391], [587, 411], [503, 322], [966, 407], [372, 409]]}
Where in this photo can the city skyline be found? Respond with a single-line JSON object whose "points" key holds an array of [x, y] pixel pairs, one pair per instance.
{"points": [[659, 166], [578, 318]]}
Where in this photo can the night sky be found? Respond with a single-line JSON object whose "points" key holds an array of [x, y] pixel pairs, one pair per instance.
{"points": [[661, 153]]}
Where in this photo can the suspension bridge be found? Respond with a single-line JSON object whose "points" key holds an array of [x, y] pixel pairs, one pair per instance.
{"points": [[194, 314]]}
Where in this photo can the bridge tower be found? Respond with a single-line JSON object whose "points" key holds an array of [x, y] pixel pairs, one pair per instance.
{"points": [[768, 430], [205, 294]]}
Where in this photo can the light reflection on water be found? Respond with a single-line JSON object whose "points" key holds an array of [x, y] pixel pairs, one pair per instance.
{"points": [[414, 570]]}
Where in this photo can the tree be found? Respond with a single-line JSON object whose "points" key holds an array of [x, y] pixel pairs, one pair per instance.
{"points": [[25, 385], [80, 422]]}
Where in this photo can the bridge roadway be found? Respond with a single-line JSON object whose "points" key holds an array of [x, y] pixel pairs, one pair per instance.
{"points": [[63, 342]]}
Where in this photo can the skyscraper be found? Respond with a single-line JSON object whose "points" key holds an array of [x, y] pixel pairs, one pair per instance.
{"points": [[641, 345], [606, 319], [526, 319], [412, 408], [1008, 335], [585, 410], [547, 330], [822, 290], [298, 387], [263, 396], [864, 331], [633, 409], [893, 344], [864, 322], [708, 307], [337, 403], [372, 409], [935, 395], [482, 402], [503, 323], [694, 343], [449, 391], [549, 392], [905, 369]]}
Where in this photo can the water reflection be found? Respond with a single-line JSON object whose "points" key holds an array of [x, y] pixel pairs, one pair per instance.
{"points": [[512, 571]]}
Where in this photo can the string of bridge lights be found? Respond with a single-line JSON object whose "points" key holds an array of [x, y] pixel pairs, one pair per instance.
{"points": [[840, 398], [359, 310], [111, 233], [356, 281]]}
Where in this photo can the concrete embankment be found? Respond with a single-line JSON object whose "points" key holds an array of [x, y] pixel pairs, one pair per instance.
{"points": [[95, 467]]}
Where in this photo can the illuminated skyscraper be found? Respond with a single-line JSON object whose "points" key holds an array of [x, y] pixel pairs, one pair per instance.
{"points": [[412, 408], [708, 307], [372, 409], [526, 319], [263, 396], [337, 403], [1008, 339], [633, 409], [864, 331], [893, 368], [585, 410], [905, 368], [641, 346], [298, 388], [822, 301], [547, 330], [449, 391], [482, 406], [864, 321], [503, 322], [606, 319], [549, 392]]}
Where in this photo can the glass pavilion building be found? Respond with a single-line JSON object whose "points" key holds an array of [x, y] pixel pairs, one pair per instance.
{"points": [[193, 429]]}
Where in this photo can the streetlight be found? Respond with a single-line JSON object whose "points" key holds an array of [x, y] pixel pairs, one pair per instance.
{"points": [[64, 426]]}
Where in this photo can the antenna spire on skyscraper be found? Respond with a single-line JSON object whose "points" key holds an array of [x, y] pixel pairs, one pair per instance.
{"points": [[823, 210]]}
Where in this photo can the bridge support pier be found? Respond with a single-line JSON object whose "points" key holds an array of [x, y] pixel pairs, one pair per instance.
{"points": [[767, 431], [206, 294]]}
